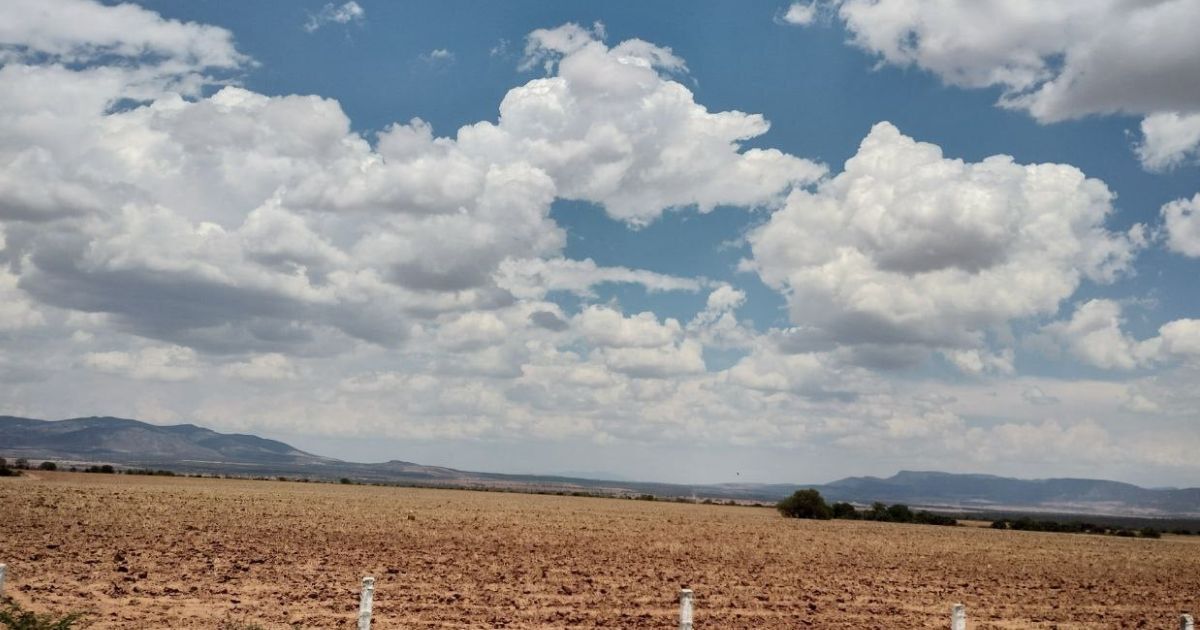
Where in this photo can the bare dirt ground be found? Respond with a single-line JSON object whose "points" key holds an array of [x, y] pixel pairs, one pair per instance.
{"points": [[148, 552]]}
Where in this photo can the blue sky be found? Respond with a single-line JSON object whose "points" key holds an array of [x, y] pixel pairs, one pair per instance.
{"points": [[628, 271]]}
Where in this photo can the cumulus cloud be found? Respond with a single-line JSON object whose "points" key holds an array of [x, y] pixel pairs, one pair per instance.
{"points": [[160, 363], [237, 241], [1057, 61], [263, 367], [603, 326], [1181, 219], [266, 224], [1095, 335], [335, 14], [907, 248], [1169, 140], [611, 129]]}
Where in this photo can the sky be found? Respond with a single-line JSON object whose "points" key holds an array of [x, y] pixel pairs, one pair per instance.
{"points": [[692, 242]]}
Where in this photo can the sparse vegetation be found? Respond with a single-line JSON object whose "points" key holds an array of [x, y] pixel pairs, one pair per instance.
{"points": [[47, 466], [6, 470], [229, 623], [146, 471], [1027, 524], [13, 617]]}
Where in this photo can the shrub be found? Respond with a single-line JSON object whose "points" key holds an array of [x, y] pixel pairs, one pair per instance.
{"points": [[13, 617], [21, 464], [844, 510], [805, 504], [928, 518], [47, 466], [900, 513]]}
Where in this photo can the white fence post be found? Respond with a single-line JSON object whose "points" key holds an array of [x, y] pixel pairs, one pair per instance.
{"points": [[958, 617], [685, 609], [365, 602], [1185, 621], [3, 568]]}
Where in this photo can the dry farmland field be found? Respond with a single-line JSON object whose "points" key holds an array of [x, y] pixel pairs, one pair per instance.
{"points": [[153, 552]]}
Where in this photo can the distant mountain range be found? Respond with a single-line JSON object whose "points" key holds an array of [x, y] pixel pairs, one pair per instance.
{"points": [[189, 448]]}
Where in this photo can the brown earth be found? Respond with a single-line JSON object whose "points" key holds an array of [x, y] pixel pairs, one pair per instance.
{"points": [[148, 552]]}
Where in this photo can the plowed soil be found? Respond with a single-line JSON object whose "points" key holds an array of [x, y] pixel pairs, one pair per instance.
{"points": [[150, 552]]}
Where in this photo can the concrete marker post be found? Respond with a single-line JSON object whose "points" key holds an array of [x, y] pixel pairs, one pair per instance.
{"points": [[1185, 622], [3, 568], [365, 602], [685, 609], [958, 617]]}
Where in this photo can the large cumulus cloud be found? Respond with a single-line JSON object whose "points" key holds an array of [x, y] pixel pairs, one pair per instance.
{"points": [[254, 222], [908, 248]]}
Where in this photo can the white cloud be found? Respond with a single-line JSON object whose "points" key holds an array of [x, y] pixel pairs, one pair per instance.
{"points": [[1057, 61], [259, 238], [160, 363], [534, 277], [264, 367], [907, 248], [800, 13], [16, 310], [1169, 140], [717, 325], [472, 331], [980, 362], [610, 129], [603, 326], [335, 14], [81, 30], [1035, 395], [1181, 218], [666, 361], [438, 58], [1094, 334]]}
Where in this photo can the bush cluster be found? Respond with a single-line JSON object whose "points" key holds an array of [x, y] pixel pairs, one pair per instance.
{"points": [[810, 504], [1027, 524], [9, 471], [147, 471]]}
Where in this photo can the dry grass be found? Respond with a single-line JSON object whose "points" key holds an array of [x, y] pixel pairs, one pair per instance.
{"points": [[147, 552]]}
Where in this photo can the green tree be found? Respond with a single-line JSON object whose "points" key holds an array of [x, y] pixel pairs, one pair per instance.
{"points": [[805, 504], [900, 513], [844, 510]]}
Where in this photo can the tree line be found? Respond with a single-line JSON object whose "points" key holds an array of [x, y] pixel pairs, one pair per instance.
{"points": [[810, 504]]}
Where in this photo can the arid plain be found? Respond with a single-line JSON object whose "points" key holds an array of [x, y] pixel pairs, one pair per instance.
{"points": [[153, 552]]}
